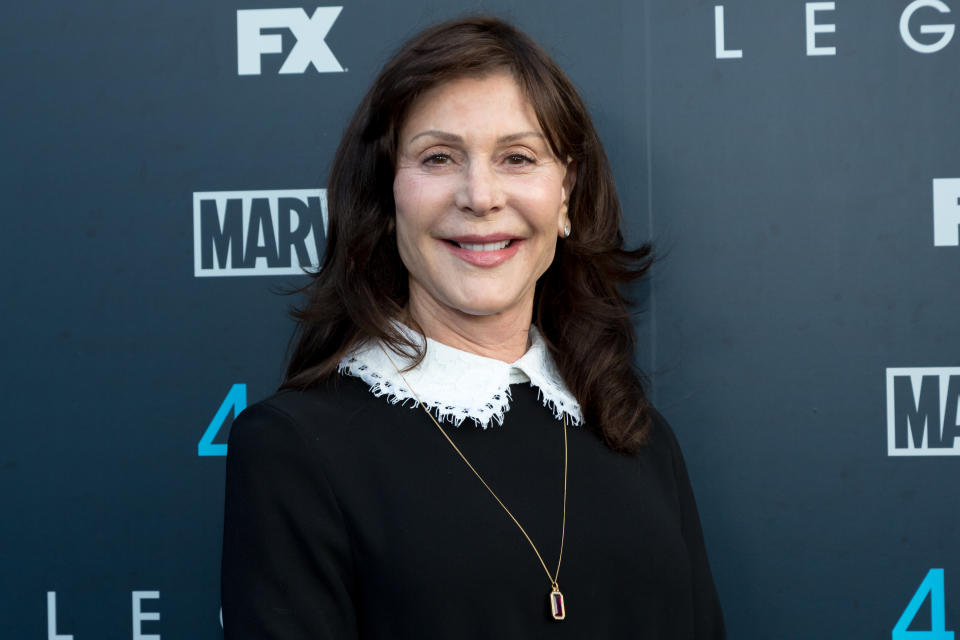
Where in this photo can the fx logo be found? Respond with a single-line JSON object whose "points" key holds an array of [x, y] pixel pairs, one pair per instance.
{"points": [[946, 212], [309, 33], [923, 411]]}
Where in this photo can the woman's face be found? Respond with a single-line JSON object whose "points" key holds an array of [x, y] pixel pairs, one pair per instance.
{"points": [[480, 198]]}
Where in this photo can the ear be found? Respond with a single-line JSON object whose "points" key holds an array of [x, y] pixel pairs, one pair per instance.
{"points": [[569, 180]]}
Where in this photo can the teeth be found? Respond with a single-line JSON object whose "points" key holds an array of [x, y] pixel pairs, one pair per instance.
{"points": [[489, 246]]}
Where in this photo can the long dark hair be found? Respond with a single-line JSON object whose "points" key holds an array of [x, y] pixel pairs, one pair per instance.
{"points": [[578, 306]]}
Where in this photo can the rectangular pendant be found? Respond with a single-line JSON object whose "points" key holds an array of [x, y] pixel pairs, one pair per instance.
{"points": [[556, 605]]}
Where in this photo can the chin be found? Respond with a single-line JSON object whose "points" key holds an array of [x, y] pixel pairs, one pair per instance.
{"points": [[485, 306]]}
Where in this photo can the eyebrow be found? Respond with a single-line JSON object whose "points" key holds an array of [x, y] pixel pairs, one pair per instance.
{"points": [[452, 137]]}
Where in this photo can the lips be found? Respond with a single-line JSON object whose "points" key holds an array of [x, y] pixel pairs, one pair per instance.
{"points": [[478, 239], [484, 251]]}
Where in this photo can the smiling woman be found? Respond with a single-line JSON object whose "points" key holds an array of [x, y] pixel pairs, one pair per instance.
{"points": [[472, 272]]}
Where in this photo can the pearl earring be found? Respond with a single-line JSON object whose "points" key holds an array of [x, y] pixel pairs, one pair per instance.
{"points": [[566, 229]]}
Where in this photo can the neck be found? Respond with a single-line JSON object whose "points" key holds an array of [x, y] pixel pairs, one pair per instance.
{"points": [[503, 336]]}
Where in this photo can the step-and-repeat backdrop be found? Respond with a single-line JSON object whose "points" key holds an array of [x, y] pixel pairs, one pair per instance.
{"points": [[796, 163]]}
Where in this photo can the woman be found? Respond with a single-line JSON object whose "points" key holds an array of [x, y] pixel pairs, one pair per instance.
{"points": [[462, 448]]}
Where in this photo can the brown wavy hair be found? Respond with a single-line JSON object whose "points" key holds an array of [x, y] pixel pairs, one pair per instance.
{"points": [[578, 306]]}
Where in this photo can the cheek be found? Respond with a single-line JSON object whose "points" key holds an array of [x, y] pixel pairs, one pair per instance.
{"points": [[543, 200], [407, 198], [417, 197], [419, 205]]}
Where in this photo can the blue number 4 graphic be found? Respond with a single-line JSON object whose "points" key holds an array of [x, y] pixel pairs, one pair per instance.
{"points": [[237, 401], [933, 585]]}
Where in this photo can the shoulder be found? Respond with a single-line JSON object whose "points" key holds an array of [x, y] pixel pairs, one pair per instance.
{"points": [[662, 444], [661, 438], [303, 415], [661, 433]]}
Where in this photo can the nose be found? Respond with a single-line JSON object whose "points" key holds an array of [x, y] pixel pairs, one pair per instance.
{"points": [[480, 191]]}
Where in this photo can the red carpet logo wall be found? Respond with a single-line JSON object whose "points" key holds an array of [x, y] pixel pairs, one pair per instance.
{"points": [[923, 403], [258, 233], [931, 588], [138, 614], [234, 402], [816, 23], [923, 411], [310, 34], [823, 232], [946, 212]]}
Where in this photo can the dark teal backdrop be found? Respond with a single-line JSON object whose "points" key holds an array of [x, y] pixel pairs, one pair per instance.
{"points": [[800, 329]]}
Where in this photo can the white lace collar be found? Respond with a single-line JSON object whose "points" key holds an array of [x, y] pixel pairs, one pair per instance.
{"points": [[456, 384]]}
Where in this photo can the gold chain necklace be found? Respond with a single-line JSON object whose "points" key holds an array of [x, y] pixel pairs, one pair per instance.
{"points": [[555, 599]]}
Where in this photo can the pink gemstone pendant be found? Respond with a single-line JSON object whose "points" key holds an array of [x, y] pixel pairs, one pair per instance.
{"points": [[557, 607]]}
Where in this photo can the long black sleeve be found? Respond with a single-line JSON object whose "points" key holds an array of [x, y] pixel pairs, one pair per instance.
{"points": [[287, 569]]}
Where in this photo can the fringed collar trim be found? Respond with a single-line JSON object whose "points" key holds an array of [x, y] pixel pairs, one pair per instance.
{"points": [[458, 385]]}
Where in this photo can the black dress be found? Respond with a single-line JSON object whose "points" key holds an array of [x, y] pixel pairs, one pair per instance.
{"points": [[350, 517]]}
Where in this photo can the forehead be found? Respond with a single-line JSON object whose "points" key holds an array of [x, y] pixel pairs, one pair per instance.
{"points": [[473, 104]]}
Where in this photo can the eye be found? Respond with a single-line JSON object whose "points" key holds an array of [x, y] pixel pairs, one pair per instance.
{"points": [[519, 159], [437, 159]]}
